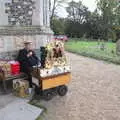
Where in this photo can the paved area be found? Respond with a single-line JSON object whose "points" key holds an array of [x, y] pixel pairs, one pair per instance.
{"points": [[19, 110], [7, 99], [94, 92]]}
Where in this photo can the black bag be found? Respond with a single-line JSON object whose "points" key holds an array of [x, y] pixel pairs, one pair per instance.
{"points": [[33, 61], [43, 56]]}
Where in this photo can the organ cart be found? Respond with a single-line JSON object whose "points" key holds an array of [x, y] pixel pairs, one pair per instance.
{"points": [[55, 71], [51, 85]]}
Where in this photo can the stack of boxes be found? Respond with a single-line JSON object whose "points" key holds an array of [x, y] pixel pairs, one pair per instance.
{"points": [[20, 88], [6, 68], [9, 68]]}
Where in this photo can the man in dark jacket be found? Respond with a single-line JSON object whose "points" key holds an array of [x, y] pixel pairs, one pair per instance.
{"points": [[27, 59]]}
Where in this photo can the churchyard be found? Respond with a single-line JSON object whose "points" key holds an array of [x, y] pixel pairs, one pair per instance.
{"points": [[108, 51]]}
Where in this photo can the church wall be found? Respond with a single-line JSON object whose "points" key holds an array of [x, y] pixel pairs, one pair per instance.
{"points": [[3, 15], [13, 40], [11, 43]]}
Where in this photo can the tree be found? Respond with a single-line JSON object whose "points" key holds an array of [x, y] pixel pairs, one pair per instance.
{"points": [[103, 23], [75, 29], [77, 11], [95, 25], [109, 13], [78, 15], [58, 26], [54, 5]]}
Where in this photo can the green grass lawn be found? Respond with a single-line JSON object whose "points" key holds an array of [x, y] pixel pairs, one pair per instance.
{"points": [[93, 49]]}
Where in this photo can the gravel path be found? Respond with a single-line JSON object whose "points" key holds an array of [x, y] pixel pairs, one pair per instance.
{"points": [[94, 92]]}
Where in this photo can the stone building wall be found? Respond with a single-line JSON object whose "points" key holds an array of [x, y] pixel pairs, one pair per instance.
{"points": [[40, 12], [15, 30], [14, 40]]}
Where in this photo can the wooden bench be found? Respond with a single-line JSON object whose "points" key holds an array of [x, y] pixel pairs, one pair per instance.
{"points": [[12, 56], [12, 77]]}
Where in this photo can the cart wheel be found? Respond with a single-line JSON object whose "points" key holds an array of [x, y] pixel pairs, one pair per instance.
{"points": [[47, 95], [62, 90]]}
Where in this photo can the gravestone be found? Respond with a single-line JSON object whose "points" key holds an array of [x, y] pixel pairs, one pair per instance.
{"points": [[118, 47]]}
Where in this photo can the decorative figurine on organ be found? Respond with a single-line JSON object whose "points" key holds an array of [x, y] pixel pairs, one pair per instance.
{"points": [[53, 59]]}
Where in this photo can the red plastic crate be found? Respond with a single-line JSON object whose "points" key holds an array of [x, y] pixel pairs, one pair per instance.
{"points": [[15, 67]]}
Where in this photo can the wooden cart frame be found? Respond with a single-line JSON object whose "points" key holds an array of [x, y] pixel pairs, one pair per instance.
{"points": [[52, 85]]}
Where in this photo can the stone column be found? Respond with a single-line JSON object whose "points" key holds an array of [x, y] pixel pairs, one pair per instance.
{"points": [[41, 12], [44, 13], [48, 14], [38, 13], [3, 15]]}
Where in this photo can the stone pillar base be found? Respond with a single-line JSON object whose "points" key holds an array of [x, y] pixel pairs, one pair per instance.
{"points": [[12, 38]]}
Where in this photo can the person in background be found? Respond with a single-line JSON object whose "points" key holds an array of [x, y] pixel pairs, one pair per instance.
{"points": [[28, 59]]}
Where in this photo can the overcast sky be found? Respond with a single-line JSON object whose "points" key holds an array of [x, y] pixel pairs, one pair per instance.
{"points": [[91, 4]]}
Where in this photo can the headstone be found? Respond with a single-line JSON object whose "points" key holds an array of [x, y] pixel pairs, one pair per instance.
{"points": [[118, 47]]}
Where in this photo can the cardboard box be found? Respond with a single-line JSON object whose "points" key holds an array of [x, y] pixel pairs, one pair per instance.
{"points": [[20, 88], [6, 67]]}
